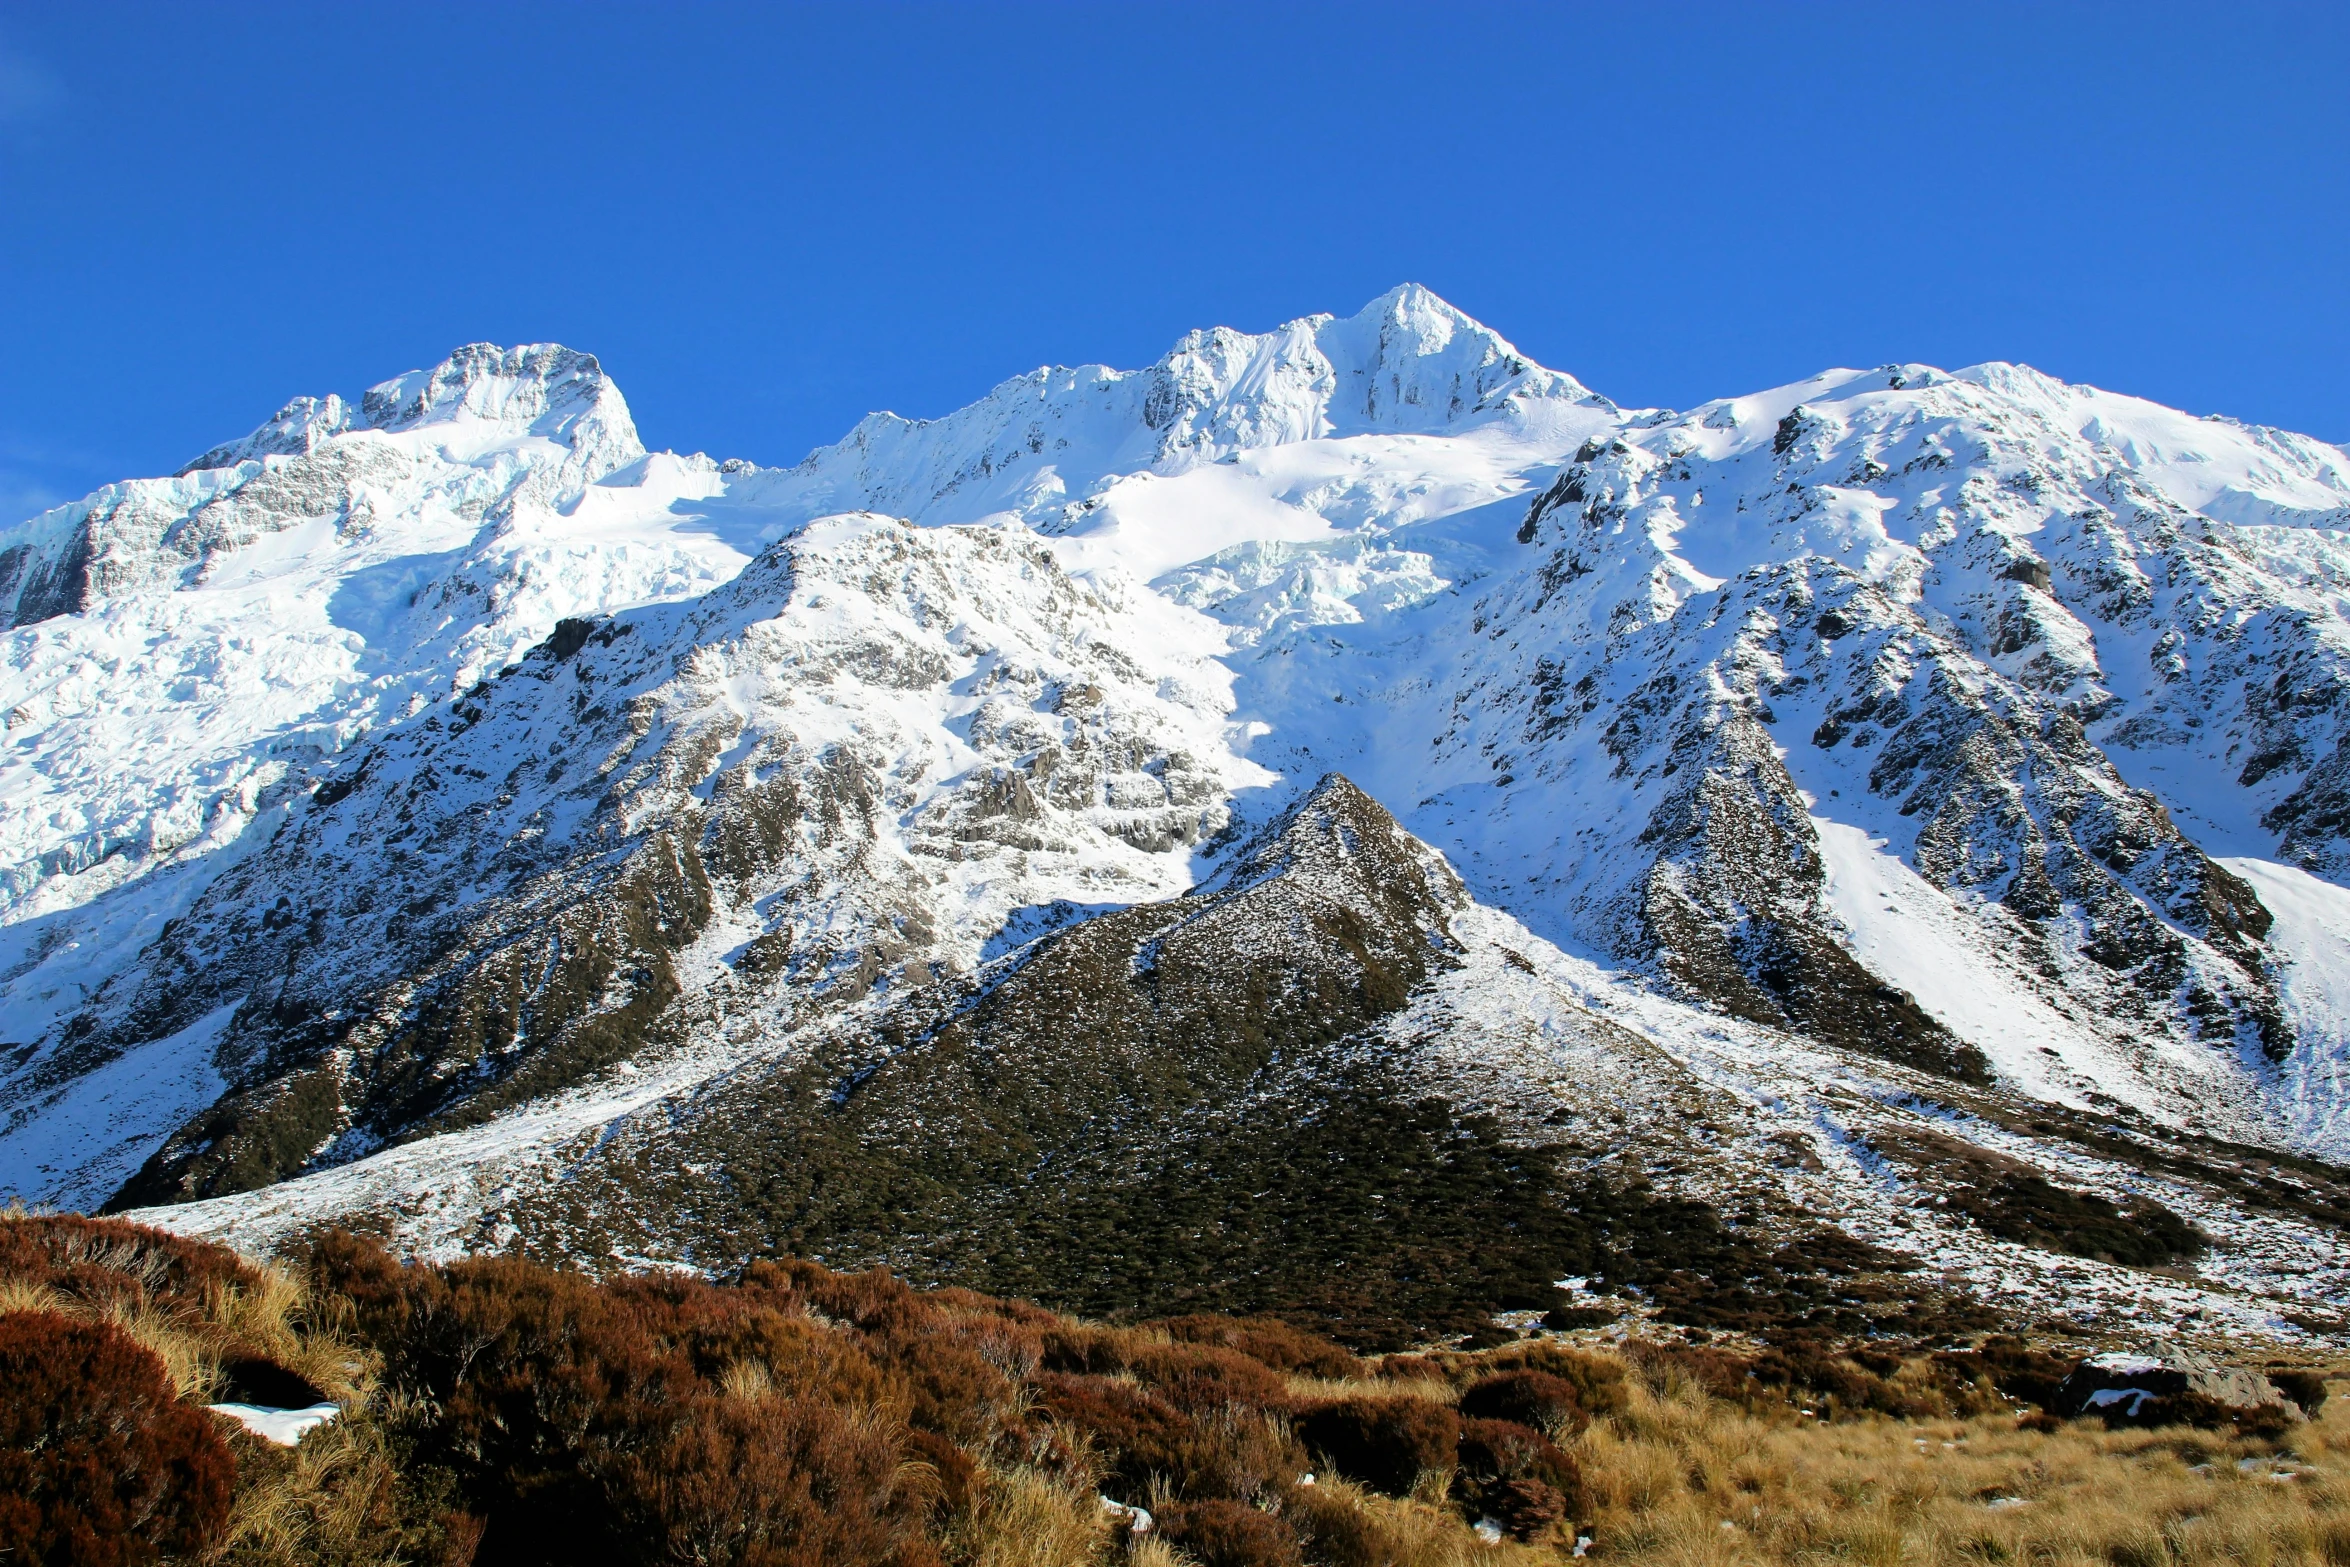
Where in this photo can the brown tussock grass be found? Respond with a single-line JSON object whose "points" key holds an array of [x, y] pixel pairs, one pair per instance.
{"points": [[1306, 1390], [1426, 1533], [1030, 1517], [1681, 1478], [323, 1503]]}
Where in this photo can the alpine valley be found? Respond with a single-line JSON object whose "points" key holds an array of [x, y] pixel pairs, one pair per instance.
{"points": [[1344, 822]]}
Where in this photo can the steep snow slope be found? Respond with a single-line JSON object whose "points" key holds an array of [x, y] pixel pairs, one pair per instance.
{"points": [[1888, 716], [770, 799], [188, 651], [1629, 707]]}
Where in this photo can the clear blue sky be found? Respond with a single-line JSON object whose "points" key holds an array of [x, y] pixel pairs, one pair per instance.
{"points": [[768, 221]]}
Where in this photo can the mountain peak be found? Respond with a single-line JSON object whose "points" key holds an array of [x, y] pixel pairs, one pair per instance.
{"points": [[1412, 361], [541, 389], [537, 388]]}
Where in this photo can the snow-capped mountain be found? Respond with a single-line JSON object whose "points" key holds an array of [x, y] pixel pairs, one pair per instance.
{"points": [[449, 810]]}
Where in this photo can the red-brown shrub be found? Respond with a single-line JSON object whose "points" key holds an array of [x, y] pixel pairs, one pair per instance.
{"points": [[1598, 1383], [1382, 1442], [1231, 1534], [1410, 1368], [1275, 1343], [951, 1388], [1526, 1509], [582, 1421], [101, 1261], [769, 1483], [873, 1301], [1505, 1450], [801, 1359], [1144, 1437], [1517, 1476], [1078, 1347], [100, 1464], [1199, 1378], [1531, 1398], [958, 1476], [542, 1384]]}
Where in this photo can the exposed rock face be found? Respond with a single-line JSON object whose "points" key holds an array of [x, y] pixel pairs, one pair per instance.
{"points": [[1731, 910], [1944, 695]]}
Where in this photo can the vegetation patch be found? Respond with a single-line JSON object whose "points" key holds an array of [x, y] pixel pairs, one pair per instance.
{"points": [[2008, 1198], [497, 1411]]}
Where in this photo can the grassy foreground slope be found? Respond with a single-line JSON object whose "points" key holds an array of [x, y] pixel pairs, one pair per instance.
{"points": [[499, 1411]]}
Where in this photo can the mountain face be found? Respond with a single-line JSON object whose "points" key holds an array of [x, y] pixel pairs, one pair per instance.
{"points": [[1344, 820]]}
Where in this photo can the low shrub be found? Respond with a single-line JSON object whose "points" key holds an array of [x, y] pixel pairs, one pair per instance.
{"points": [[1531, 1398], [1337, 1533], [1231, 1534], [771, 1482], [1598, 1382], [1079, 1347], [1841, 1382], [1143, 1439], [2199, 1410], [107, 1262], [957, 1475], [1527, 1510], [1385, 1443], [1269, 1341], [1506, 1450], [1565, 1319], [101, 1465], [1517, 1476], [1200, 1377]]}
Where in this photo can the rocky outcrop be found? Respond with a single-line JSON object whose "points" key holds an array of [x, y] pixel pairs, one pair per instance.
{"points": [[1730, 909], [2162, 1384]]}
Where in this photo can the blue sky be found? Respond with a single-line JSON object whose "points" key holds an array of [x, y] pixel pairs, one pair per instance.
{"points": [[767, 221]]}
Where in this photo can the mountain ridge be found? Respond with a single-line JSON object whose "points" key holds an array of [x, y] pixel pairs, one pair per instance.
{"points": [[1971, 737]]}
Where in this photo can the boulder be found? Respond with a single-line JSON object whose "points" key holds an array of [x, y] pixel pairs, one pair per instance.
{"points": [[2146, 1387]]}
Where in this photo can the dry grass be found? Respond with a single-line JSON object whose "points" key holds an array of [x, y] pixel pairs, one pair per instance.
{"points": [[1031, 1518], [190, 1354], [1308, 1390], [1151, 1551], [1672, 1476], [1425, 1534], [1680, 1478], [325, 1503], [20, 1294]]}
